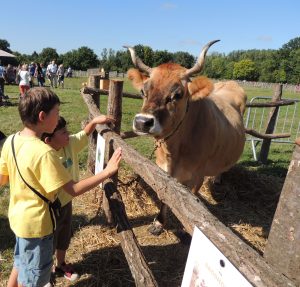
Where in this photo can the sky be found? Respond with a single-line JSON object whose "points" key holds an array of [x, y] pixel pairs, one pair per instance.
{"points": [[173, 25]]}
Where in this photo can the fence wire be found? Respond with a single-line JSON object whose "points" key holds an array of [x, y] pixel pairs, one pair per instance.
{"points": [[287, 121]]}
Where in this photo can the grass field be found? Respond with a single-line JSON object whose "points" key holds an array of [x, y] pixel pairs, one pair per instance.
{"points": [[75, 111]]}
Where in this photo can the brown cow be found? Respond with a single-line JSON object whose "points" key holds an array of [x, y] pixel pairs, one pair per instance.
{"points": [[197, 125]]}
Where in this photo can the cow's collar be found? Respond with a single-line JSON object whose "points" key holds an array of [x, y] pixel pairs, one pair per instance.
{"points": [[161, 141]]}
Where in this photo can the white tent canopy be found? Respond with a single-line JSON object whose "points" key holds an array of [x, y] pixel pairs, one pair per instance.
{"points": [[6, 54]]}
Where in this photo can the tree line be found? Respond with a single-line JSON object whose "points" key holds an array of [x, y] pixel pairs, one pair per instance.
{"points": [[277, 66]]}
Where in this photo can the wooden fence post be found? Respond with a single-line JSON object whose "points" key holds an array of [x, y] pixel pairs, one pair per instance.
{"points": [[92, 142], [114, 108], [265, 147], [283, 246], [136, 260], [94, 81]]}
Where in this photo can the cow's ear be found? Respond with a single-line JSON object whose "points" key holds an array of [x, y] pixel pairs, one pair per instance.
{"points": [[200, 87], [137, 78]]}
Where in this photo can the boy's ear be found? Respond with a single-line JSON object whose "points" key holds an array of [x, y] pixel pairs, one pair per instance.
{"points": [[47, 140], [42, 116]]}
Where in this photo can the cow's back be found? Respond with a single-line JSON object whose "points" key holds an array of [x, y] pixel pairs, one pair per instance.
{"points": [[231, 92]]}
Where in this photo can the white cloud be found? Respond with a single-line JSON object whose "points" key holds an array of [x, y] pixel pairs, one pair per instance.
{"points": [[265, 38], [189, 42], [168, 6]]}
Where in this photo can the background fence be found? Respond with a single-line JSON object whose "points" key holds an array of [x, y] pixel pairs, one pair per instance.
{"points": [[287, 121], [116, 74]]}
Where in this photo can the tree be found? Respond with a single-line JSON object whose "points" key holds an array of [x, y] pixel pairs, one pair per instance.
{"points": [[86, 58], [161, 57], [145, 53], [80, 59], [184, 59], [215, 66], [293, 44], [5, 46], [47, 55], [245, 70], [21, 58]]}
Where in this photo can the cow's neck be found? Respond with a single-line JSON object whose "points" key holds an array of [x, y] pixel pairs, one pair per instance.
{"points": [[168, 151]]}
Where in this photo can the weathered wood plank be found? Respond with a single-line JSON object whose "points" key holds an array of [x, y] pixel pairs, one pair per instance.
{"points": [[266, 136], [283, 246], [265, 147], [271, 104], [191, 212], [89, 90], [92, 141], [114, 109], [133, 253]]}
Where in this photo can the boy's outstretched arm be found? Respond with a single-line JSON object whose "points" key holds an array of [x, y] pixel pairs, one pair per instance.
{"points": [[103, 119], [77, 188], [4, 179]]}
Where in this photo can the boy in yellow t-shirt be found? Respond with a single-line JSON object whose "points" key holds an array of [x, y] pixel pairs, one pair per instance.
{"points": [[39, 169], [68, 147]]}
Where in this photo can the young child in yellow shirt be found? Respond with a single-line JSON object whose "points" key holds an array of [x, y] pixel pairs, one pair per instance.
{"points": [[68, 147]]}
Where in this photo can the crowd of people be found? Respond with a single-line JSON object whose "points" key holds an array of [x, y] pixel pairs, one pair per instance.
{"points": [[33, 74]]}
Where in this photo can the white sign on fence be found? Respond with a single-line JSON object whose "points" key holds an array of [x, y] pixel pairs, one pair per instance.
{"points": [[100, 150], [208, 267]]}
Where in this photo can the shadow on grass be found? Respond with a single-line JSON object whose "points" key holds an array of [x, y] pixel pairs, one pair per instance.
{"points": [[7, 237], [278, 168], [108, 266], [247, 197]]}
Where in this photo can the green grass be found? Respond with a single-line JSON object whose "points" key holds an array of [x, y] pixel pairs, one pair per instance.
{"points": [[74, 110]]}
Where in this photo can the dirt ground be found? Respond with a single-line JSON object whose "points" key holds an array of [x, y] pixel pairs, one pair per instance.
{"points": [[245, 202]]}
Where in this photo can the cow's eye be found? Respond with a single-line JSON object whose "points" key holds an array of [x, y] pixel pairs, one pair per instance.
{"points": [[168, 100], [176, 96]]}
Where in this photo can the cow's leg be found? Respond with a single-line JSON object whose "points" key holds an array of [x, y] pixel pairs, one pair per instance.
{"points": [[195, 183], [157, 226]]}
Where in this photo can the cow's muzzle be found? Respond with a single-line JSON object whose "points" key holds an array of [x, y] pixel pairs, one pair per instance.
{"points": [[144, 124]]}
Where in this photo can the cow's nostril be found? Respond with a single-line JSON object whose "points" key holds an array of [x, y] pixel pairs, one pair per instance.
{"points": [[143, 124], [149, 123]]}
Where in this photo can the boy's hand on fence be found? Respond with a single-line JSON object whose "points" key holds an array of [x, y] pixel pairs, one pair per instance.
{"points": [[103, 119], [114, 162]]}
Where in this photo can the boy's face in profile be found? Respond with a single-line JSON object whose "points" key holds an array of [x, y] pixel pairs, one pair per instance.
{"points": [[60, 139], [51, 119]]}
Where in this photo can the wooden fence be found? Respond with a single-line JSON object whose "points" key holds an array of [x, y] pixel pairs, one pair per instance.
{"points": [[192, 212]]}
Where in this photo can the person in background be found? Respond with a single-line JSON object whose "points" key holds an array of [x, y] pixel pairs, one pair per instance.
{"points": [[44, 70], [10, 74], [61, 75], [31, 69], [18, 69], [69, 72], [2, 81], [24, 80], [51, 72], [39, 75]]}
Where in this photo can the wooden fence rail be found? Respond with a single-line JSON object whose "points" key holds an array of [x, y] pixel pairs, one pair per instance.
{"points": [[191, 211]]}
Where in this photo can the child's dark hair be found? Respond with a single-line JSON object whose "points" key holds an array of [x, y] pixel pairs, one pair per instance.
{"points": [[61, 124], [35, 101]]}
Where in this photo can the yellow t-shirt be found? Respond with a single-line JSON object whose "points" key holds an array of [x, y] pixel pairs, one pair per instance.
{"points": [[69, 158], [28, 214]]}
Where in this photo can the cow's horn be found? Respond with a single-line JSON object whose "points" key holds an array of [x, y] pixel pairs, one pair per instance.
{"points": [[138, 62], [200, 61]]}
